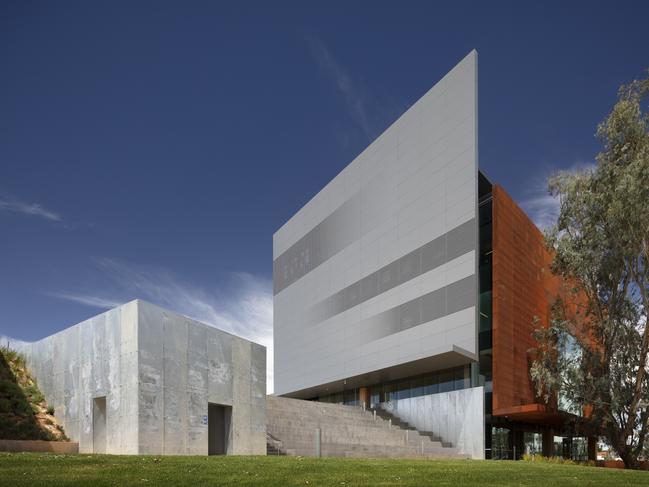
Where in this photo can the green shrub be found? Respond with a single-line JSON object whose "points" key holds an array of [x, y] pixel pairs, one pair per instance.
{"points": [[5, 405], [9, 354], [22, 407], [50, 410], [15, 360], [34, 394], [10, 389]]}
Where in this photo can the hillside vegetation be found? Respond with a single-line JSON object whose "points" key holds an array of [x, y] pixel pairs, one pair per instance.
{"points": [[24, 414]]}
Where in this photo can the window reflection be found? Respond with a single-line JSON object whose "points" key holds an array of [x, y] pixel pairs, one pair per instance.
{"points": [[432, 383]]}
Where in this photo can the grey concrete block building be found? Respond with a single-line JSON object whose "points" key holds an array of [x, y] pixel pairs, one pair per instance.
{"points": [[142, 380], [376, 278]]}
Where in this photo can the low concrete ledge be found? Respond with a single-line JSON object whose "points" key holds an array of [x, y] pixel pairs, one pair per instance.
{"points": [[40, 446]]}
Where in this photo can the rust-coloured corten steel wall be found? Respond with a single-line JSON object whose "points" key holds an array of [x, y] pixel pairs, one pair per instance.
{"points": [[523, 287]]}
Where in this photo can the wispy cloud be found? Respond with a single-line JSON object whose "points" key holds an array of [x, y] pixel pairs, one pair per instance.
{"points": [[543, 209], [32, 209], [89, 300], [245, 309], [353, 97], [539, 204]]}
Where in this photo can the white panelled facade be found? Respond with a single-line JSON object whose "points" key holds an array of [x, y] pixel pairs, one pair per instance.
{"points": [[379, 268]]}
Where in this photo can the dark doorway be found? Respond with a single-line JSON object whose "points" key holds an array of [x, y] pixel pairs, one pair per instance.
{"points": [[218, 424], [99, 425]]}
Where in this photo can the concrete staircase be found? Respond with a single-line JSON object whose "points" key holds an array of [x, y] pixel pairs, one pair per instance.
{"points": [[396, 421], [345, 431], [273, 445]]}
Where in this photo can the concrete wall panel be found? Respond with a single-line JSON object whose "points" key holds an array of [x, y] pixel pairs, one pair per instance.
{"points": [[86, 361], [456, 416], [195, 364], [158, 371]]}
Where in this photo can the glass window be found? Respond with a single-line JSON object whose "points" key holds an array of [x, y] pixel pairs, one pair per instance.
{"points": [[336, 398], [500, 444], [485, 273], [446, 381], [404, 390], [486, 364], [375, 396], [485, 311], [561, 447], [431, 384], [417, 387], [580, 449], [485, 340], [351, 397], [488, 399], [462, 378], [532, 443], [390, 392]]}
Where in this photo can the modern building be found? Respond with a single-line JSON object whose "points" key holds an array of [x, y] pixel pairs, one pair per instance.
{"points": [[141, 380], [410, 283]]}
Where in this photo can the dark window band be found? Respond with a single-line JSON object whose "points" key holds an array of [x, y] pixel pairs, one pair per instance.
{"points": [[337, 231], [450, 299], [435, 253]]}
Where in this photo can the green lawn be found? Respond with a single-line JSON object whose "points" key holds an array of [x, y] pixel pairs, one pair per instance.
{"points": [[33, 469]]}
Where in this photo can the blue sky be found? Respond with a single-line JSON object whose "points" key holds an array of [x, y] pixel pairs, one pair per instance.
{"points": [[151, 149]]}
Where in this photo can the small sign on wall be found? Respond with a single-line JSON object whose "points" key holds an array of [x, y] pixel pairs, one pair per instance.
{"points": [[204, 419]]}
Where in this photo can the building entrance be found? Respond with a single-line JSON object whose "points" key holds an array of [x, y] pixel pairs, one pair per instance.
{"points": [[218, 425], [99, 425]]}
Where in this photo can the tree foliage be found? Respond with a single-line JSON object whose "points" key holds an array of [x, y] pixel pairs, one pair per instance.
{"points": [[601, 250]]}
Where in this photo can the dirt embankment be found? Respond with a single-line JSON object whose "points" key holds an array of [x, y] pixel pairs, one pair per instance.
{"points": [[24, 413]]}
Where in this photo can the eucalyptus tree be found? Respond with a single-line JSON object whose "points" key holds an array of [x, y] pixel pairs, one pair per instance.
{"points": [[594, 352]]}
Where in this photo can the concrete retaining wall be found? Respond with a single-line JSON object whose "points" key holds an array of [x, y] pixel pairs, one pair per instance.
{"points": [[60, 447], [456, 416], [95, 358]]}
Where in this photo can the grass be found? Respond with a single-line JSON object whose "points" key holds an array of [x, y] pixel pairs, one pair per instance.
{"points": [[33, 469]]}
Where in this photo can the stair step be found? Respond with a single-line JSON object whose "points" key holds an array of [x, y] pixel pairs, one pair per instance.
{"points": [[346, 431]]}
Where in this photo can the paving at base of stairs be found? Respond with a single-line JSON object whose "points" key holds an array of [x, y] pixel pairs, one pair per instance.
{"points": [[346, 431]]}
